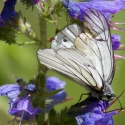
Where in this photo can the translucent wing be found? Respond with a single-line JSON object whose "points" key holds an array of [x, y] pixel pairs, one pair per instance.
{"points": [[84, 54]]}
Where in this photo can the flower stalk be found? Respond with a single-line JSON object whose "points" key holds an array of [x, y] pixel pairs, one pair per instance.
{"points": [[42, 70]]}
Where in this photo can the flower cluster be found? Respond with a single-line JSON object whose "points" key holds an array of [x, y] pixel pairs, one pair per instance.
{"points": [[95, 114], [19, 106], [22, 106]]}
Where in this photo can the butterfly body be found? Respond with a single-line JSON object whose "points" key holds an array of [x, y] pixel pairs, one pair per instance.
{"points": [[84, 54]]}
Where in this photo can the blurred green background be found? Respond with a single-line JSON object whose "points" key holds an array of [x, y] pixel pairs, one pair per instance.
{"points": [[22, 62]]}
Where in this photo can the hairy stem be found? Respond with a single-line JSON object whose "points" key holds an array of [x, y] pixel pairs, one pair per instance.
{"points": [[42, 70]]}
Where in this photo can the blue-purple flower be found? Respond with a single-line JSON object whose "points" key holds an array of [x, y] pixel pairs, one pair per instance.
{"points": [[23, 108], [31, 87], [1, 21], [115, 41], [95, 114], [53, 83], [77, 9], [8, 11], [20, 106], [35, 1], [10, 90]]}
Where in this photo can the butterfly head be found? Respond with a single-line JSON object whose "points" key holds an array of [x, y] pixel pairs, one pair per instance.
{"points": [[108, 92], [110, 97], [105, 93]]}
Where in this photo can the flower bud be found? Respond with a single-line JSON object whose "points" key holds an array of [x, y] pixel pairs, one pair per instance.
{"points": [[22, 28], [35, 1], [27, 25], [32, 33]]}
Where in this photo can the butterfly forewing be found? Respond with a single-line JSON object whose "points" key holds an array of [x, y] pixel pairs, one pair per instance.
{"points": [[83, 54]]}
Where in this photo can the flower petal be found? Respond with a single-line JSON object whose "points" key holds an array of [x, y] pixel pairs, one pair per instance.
{"points": [[24, 107], [93, 114], [115, 41], [10, 90], [8, 10], [77, 9]]}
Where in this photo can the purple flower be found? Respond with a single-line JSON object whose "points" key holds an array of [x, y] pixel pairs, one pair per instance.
{"points": [[1, 21], [115, 41], [94, 114], [35, 1], [10, 90], [8, 11], [53, 83], [23, 108], [20, 106], [77, 9], [31, 87]]}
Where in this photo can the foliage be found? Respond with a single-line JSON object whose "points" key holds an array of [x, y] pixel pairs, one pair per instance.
{"points": [[60, 118]]}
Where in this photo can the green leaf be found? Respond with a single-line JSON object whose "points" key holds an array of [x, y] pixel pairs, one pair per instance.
{"points": [[48, 94], [58, 8], [28, 3], [61, 118], [65, 119], [53, 118], [7, 34], [49, 19]]}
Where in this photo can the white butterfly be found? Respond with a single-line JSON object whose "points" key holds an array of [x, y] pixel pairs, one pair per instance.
{"points": [[84, 54]]}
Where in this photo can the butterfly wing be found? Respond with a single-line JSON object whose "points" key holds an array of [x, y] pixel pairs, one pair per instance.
{"points": [[78, 52], [49, 58], [98, 26]]}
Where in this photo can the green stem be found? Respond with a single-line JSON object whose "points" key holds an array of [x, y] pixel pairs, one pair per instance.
{"points": [[42, 70], [43, 32]]}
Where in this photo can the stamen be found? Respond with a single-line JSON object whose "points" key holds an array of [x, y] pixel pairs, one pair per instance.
{"points": [[41, 6], [121, 45], [30, 120], [13, 120], [117, 57], [21, 118], [121, 49], [116, 28], [117, 23], [119, 110], [67, 99]]}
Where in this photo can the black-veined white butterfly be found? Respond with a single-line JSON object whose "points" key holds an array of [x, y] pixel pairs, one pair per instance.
{"points": [[84, 54]]}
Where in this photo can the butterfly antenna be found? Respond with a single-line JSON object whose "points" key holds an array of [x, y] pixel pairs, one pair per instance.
{"points": [[117, 99], [119, 102], [122, 96]]}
